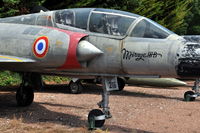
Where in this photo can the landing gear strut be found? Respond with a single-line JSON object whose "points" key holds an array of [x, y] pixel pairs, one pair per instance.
{"points": [[96, 117], [25, 93], [191, 95]]}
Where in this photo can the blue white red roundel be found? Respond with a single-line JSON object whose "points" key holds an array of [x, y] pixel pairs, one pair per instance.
{"points": [[41, 46]]}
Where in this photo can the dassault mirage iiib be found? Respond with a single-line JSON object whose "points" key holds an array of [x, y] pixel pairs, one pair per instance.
{"points": [[93, 43]]}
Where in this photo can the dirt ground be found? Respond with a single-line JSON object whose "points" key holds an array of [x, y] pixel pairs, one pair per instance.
{"points": [[138, 109]]}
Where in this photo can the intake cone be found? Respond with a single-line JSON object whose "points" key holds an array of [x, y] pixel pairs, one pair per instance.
{"points": [[86, 51]]}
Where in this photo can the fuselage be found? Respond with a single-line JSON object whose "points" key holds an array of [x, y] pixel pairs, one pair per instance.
{"points": [[128, 44]]}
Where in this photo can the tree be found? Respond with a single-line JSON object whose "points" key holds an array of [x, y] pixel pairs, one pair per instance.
{"points": [[193, 19], [126, 5], [17, 7], [171, 14]]}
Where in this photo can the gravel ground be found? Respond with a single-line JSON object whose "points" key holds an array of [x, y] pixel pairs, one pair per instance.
{"points": [[138, 109]]}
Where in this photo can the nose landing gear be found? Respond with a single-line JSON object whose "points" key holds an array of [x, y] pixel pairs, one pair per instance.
{"points": [[191, 95], [96, 117]]}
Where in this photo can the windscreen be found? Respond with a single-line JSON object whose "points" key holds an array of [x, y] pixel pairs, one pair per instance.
{"points": [[149, 29]]}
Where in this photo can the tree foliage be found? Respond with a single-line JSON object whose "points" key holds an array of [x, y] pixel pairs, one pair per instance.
{"points": [[171, 14], [193, 18], [178, 15], [17, 7]]}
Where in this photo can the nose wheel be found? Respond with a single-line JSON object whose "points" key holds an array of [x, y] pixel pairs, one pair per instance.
{"points": [[96, 119], [190, 96]]}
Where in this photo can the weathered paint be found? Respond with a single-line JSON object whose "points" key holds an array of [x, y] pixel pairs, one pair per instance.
{"points": [[20, 45], [71, 61], [189, 60], [122, 55], [149, 56]]}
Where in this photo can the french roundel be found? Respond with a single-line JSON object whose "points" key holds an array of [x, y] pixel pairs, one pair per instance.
{"points": [[41, 46]]}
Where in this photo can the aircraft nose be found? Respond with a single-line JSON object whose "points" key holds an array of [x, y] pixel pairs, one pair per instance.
{"points": [[189, 60]]}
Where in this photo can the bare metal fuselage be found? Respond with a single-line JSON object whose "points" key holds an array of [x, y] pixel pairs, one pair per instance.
{"points": [[121, 56], [118, 55]]}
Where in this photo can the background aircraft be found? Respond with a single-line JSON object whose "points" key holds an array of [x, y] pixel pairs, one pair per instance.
{"points": [[93, 43], [159, 82]]}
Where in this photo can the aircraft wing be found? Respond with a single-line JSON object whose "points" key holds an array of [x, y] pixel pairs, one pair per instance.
{"points": [[8, 58]]}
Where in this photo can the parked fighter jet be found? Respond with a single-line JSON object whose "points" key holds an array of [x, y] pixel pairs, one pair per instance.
{"points": [[156, 82], [91, 43]]}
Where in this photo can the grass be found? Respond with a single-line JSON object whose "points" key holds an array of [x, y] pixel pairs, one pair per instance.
{"points": [[11, 78], [55, 79], [17, 125]]}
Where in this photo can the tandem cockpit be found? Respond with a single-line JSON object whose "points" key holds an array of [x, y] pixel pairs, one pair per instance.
{"points": [[100, 21]]}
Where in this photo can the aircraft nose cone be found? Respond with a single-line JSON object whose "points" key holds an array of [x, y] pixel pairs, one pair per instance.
{"points": [[86, 51], [189, 60]]}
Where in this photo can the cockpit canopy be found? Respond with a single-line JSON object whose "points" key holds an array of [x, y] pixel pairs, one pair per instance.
{"points": [[103, 21], [112, 23]]}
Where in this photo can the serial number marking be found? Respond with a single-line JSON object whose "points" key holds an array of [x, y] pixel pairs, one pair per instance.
{"points": [[112, 84]]}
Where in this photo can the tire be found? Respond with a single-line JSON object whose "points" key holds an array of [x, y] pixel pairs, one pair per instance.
{"points": [[187, 96], [75, 87], [24, 96], [94, 113]]}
